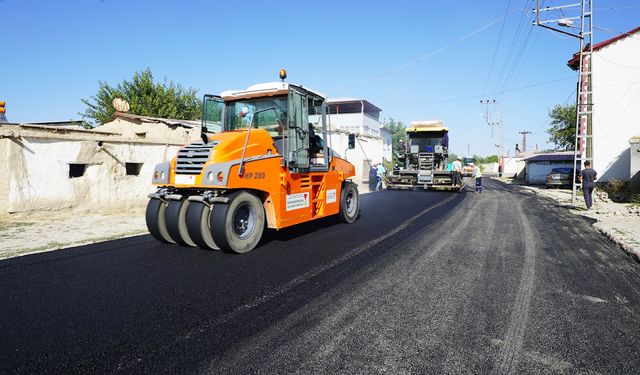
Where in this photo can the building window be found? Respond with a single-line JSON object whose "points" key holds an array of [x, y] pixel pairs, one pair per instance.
{"points": [[76, 170], [133, 169]]}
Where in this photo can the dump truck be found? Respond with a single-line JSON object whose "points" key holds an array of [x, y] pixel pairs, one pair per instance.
{"points": [[423, 159], [263, 161]]}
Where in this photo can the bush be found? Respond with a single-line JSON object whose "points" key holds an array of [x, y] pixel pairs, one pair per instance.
{"points": [[621, 191], [615, 186]]}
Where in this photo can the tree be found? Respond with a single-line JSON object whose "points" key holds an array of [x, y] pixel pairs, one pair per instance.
{"points": [[563, 126], [145, 97], [398, 129]]}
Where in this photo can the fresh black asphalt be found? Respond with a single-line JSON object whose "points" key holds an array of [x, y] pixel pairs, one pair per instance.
{"points": [[423, 282]]}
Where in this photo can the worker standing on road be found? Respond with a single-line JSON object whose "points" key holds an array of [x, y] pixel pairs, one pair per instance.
{"points": [[373, 178], [477, 174], [456, 166], [381, 171], [588, 178]]}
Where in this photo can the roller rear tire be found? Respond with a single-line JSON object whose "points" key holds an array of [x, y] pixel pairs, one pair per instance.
{"points": [[349, 203]]}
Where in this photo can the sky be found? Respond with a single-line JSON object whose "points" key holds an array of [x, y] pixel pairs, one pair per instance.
{"points": [[416, 60]]}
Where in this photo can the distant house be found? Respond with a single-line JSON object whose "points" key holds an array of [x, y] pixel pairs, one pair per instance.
{"points": [[538, 166], [52, 166], [616, 102], [373, 143], [354, 116]]}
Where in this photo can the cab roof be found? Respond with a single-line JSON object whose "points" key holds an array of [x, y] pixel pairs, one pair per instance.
{"points": [[264, 89]]}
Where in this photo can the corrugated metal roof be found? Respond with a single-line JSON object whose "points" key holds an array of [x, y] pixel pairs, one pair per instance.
{"points": [[552, 156], [353, 100], [575, 60]]}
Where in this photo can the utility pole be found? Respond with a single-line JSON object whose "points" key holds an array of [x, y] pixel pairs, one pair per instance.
{"points": [[499, 122], [583, 150], [524, 139]]}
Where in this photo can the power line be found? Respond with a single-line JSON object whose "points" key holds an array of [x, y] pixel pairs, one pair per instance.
{"points": [[481, 96], [548, 121], [513, 43], [495, 52], [517, 61], [423, 57]]}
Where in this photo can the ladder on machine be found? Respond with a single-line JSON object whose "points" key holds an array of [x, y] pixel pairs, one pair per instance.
{"points": [[583, 150]]}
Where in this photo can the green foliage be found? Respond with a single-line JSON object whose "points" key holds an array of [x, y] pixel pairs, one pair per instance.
{"points": [[145, 97], [487, 159], [398, 129], [491, 159], [563, 126]]}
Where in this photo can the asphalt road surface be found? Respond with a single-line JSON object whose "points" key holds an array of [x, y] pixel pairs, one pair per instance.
{"points": [[424, 282]]}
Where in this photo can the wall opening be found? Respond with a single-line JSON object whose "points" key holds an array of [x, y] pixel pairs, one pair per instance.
{"points": [[77, 170], [133, 169]]}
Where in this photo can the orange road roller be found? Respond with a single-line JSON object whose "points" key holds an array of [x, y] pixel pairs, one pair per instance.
{"points": [[263, 161]]}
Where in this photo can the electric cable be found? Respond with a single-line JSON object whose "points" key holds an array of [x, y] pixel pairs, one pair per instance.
{"points": [[495, 52], [421, 58]]}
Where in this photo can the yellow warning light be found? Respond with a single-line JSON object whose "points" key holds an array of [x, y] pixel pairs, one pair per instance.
{"points": [[2, 107], [283, 74]]}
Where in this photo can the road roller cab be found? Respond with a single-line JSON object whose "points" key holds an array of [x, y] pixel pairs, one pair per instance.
{"points": [[263, 160]]}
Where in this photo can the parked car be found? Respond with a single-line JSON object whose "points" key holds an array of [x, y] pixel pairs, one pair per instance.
{"points": [[561, 177]]}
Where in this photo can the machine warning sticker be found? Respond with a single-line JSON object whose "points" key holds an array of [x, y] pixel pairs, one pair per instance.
{"points": [[331, 196], [295, 201], [185, 179]]}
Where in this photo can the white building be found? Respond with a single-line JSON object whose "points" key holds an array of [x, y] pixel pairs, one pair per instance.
{"points": [[373, 142], [354, 116], [616, 103], [49, 168]]}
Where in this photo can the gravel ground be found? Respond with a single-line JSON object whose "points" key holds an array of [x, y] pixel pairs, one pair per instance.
{"points": [[29, 235]]}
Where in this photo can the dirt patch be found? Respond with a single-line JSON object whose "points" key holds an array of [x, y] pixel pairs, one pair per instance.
{"points": [[40, 234]]}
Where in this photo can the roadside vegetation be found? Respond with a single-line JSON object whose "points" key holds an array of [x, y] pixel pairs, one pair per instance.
{"points": [[621, 191], [145, 97], [562, 132]]}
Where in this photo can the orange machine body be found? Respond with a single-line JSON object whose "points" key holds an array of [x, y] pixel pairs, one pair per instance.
{"points": [[288, 198]]}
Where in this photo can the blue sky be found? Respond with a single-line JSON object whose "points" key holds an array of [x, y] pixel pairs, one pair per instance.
{"points": [[404, 56]]}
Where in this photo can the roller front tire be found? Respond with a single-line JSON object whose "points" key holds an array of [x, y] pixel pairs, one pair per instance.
{"points": [[175, 218], [238, 226], [198, 218], [155, 218]]}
